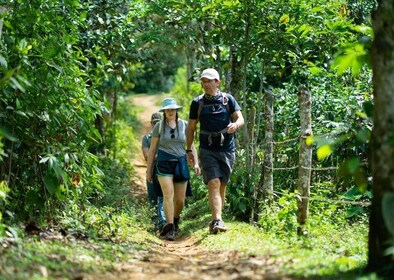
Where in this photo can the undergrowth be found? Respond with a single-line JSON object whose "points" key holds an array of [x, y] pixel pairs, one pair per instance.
{"points": [[328, 251], [112, 226]]}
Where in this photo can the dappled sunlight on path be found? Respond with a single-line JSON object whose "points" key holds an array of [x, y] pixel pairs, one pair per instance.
{"points": [[148, 105], [184, 258]]}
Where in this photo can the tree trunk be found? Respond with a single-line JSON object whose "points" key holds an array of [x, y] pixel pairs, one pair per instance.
{"points": [[2, 15], [259, 187], [382, 148], [305, 158], [268, 185]]}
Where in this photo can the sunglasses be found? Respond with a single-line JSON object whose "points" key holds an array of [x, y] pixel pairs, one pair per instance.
{"points": [[172, 131]]}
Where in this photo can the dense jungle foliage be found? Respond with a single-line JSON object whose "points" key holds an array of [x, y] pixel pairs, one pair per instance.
{"points": [[67, 67]]}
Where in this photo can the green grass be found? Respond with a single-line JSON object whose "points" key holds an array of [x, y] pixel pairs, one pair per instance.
{"points": [[328, 252], [114, 228]]}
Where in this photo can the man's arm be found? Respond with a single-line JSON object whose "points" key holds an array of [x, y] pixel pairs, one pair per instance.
{"points": [[151, 157], [237, 121], [190, 132], [145, 152]]}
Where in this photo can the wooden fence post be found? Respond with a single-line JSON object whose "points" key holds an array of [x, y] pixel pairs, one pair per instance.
{"points": [[305, 159]]}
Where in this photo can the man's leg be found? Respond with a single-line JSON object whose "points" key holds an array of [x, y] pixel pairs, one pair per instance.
{"points": [[215, 198], [223, 187], [216, 194]]}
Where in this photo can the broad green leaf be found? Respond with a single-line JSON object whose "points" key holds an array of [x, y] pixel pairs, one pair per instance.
{"points": [[44, 160], [352, 165], [368, 108], [3, 62], [363, 135], [324, 151], [352, 58], [16, 85], [315, 70], [388, 211], [368, 30], [51, 182], [242, 206], [284, 19]]}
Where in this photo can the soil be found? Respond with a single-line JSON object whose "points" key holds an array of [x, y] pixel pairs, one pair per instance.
{"points": [[148, 102], [184, 258]]}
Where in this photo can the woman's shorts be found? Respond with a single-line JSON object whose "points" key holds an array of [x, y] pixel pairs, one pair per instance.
{"points": [[167, 169], [216, 164]]}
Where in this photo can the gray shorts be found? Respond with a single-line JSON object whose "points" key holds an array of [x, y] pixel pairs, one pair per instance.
{"points": [[216, 164]]}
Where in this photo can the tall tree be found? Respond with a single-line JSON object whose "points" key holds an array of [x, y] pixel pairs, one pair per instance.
{"points": [[381, 234]]}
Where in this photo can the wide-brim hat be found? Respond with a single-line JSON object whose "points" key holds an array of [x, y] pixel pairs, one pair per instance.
{"points": [[169, 103]]}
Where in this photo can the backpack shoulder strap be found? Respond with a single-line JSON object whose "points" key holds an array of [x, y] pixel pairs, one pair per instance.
{"points": [[160, 127], [225, 101], [200, 104]]}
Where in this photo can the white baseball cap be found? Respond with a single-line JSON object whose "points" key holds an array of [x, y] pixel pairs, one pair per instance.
{"points": [[210, 73]]}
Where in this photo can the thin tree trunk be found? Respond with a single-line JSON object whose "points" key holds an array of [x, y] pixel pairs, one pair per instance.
{"points": [[381, 227], [258, 189], [191, 58], [305, 158], [268, 185], [2, 15]]}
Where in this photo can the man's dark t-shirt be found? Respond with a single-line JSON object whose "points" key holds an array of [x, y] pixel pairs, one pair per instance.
{"points": [[215, 115]]}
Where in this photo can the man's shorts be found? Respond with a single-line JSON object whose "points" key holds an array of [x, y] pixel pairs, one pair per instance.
{"points": [[216, 164]]}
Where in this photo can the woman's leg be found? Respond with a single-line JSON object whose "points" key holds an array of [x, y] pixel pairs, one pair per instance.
{"points": [[179, 198], [167, 187]]}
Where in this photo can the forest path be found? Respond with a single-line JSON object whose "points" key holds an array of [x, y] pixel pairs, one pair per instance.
{"points": [[184, 258], [149, 105]]}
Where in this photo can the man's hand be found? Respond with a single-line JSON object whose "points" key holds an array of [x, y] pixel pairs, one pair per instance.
{"points": [[232, 128]]}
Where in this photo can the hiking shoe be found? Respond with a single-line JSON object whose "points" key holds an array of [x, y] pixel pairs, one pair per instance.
{"points": [[160, 225], [217, 226], [176, 222], [170, 236], [166, 229], [168, 232]]}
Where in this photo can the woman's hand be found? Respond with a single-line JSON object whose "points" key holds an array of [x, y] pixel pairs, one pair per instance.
{"points": [[190, 158]]}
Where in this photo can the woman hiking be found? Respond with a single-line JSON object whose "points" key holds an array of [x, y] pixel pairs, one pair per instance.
{"points": [[169, 142]]}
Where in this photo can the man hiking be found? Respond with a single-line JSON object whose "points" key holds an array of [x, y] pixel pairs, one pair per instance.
{"points": [[220, 117]]}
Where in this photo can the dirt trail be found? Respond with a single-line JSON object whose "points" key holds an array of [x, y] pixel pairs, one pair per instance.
{"points": [[184, 258], [148, 102]]}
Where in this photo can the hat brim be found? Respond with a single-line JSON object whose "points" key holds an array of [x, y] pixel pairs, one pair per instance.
{"points": [[210, 77], [170, 107]]}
